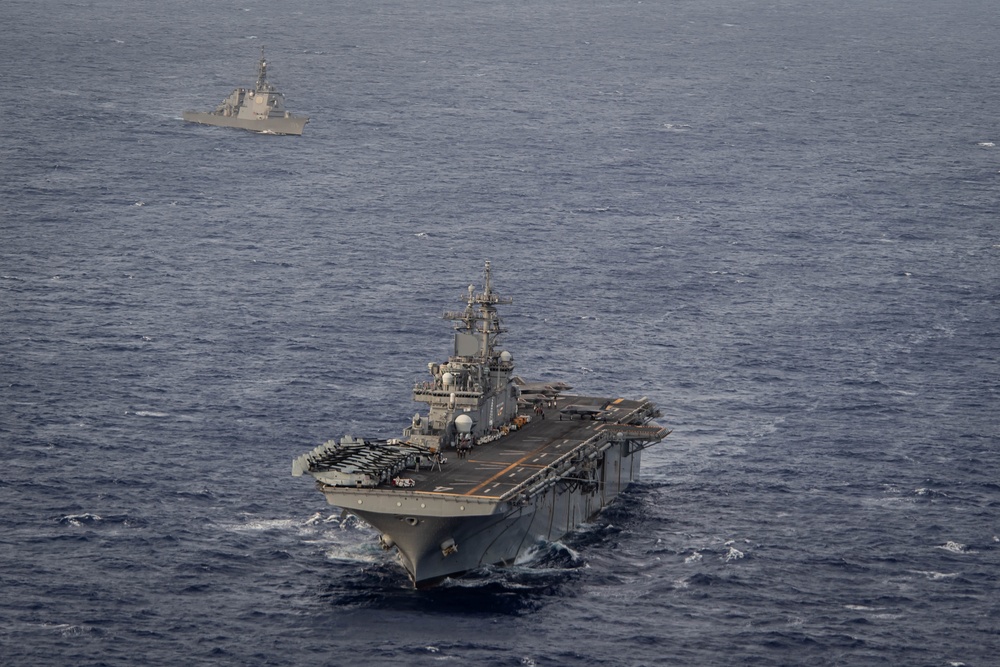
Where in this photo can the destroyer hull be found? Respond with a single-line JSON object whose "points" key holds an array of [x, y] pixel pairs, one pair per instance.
{"points": [[439, 535], [282, 125]]}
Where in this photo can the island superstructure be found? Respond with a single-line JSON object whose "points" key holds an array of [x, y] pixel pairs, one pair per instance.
{"points": [[259, 109], [495, 466]]}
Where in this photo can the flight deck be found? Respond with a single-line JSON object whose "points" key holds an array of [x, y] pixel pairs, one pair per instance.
{"points": [[493, 470], [559, 431]]}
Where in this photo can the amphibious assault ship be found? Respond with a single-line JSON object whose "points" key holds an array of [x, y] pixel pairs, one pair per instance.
{"points": [[496, 466], [260, 109]]}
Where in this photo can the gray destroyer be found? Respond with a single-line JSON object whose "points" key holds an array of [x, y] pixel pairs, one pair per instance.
{"points": [[259, 109], [496, 466]]}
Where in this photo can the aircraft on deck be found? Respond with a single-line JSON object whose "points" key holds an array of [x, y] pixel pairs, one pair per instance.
{"points": [[583, 411], [531, 391]]}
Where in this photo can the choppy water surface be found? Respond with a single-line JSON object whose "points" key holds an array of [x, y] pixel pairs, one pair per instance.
{"points": [[777, 220]]}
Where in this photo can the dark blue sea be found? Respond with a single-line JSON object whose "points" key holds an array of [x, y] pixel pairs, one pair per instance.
{"points": [[778, 219]]}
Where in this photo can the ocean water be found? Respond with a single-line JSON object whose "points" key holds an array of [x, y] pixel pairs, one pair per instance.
{"points": [[777, 219]]}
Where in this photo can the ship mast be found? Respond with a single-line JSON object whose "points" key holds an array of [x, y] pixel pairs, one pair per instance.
{"points": [[480, 309], [262, 84]]}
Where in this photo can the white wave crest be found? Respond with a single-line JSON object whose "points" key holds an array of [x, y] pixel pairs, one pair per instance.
{"points": [[936, 576], [540, 549], [260, 525], [355, 552], [80, 519], [733, 554]]}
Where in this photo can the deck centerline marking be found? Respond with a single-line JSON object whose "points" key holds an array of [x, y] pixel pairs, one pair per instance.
{"points": [[505, 470]]}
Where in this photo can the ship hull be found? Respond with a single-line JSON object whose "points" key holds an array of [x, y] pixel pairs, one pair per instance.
{"points": [[523, 470], [282, 125], [438, 537]]}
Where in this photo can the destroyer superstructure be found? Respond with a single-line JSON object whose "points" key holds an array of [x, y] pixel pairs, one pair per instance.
{"points": [[259, 109], [490, 470]]}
